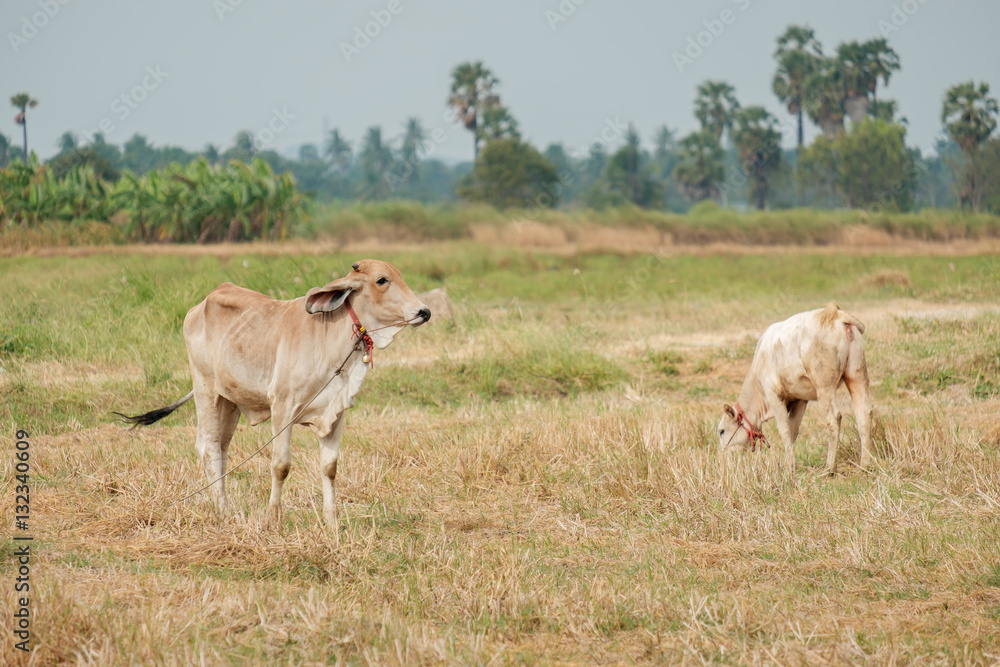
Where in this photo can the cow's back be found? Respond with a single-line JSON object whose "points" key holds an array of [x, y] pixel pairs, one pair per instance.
{"points": [[801, 352], [232, 338]]}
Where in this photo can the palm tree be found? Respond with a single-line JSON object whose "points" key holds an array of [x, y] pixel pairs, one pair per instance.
{"points": [[882, 62], [67, 142], [758, 140], [376, 160], [853, 63], [700, 167], [664, 142], [798, 57], [338, 150], [414, 136], [664, 150], [473, 91], [623, 167], [970, 116], [714, 107], [22, 101], [211, 153], [824, 97], [798, 38], [243, 148]]}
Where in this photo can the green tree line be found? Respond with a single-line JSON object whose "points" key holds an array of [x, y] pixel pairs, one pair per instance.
{"points": [[859, 158]]}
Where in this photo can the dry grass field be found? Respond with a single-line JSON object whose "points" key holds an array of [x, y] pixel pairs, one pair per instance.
{"points": [[536, 482]]}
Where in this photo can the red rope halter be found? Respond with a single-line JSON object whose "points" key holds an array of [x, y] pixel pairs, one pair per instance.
{"points": [[755, 433], [362, 334]]}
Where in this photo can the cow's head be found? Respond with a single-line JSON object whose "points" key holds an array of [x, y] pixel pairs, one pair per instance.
{"points": [[732, 436], [379, 296]]}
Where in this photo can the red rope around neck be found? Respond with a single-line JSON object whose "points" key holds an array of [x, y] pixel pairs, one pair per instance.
{"points": [[755, 433], [361, 333]]}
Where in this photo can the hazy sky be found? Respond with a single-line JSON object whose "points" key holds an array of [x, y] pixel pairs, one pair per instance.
{"points": [[196, 71]]}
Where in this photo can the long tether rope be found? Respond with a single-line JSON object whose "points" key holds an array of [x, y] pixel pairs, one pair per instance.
{"points": [[363, 342]]}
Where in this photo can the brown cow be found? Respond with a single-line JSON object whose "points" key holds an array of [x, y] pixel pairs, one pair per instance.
{"points": [[294, 362]]}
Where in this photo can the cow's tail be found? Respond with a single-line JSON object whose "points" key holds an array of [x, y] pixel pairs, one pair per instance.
{"points": [[154, 416], [856, 363], [832, 314], [850, 319]]}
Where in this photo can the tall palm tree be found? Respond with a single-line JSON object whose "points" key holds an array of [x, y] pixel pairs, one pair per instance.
{"points": [[22, 101], [798, 38], [338, 150], [758, 140], [855, 68], [414, 136], [825, 92], [473, 91], [882, 62], [376, 161], [798, 57], [715, 106], [971, 116]]}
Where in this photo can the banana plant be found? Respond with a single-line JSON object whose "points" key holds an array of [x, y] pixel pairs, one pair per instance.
{"points": [[199, 203]]}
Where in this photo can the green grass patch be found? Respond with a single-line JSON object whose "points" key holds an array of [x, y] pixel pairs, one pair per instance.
{"points": [[544, 371]]}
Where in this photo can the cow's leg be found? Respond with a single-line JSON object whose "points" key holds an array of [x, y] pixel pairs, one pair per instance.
{"points": [[828, 408], [861, 403], [229, 417], [281, 462], [329, 452], [783, 421], [796, 410], [217, 419]]}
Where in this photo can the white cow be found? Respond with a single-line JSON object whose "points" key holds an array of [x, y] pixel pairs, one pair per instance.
{"points": [[805, 358], [294, 362]]}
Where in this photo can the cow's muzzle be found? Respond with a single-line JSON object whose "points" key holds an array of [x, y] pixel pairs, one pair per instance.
{"points": [[424, 314]]}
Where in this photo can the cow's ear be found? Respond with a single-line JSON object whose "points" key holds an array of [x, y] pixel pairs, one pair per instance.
{"points": [[331, 296], [728, 409]]}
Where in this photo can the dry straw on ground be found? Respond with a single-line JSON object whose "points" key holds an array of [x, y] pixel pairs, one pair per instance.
{"points": [[548, 523]]}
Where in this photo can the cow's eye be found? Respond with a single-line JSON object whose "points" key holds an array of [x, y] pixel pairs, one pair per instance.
{"points": [[381, 281], [722, 432]]}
